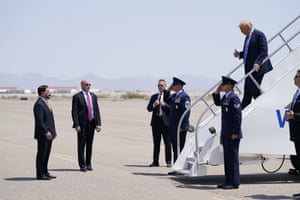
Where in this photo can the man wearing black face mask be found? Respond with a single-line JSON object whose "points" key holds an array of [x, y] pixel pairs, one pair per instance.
{"points": [[44, 132]]}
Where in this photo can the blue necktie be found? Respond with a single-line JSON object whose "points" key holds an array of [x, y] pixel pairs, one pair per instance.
{"points": [[295, 98], [246, 47]]}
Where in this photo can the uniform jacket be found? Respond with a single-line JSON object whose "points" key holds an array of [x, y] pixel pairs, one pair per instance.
{"points": [[178, 103], [231, 114], [80, 110], [150, 108], [44, 120], [295, 123], [257, 52]]}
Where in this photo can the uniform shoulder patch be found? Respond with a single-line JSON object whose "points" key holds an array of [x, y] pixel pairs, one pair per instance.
{"points": [[187, 104], [237, 105]]}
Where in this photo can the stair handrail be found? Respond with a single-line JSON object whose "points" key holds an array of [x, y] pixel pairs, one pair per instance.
{"points": [[283, 29], [202, 98]]}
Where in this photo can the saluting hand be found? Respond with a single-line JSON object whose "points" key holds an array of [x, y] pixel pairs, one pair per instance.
{"points": [[219, 89]]}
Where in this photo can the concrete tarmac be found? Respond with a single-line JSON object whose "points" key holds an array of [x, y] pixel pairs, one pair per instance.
{"points": [[122, 153]]}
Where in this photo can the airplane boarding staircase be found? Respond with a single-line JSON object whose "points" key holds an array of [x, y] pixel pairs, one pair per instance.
{"points": [[264, 128]]}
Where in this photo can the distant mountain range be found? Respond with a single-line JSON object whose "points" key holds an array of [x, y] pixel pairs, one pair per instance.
{"points": [[139, 83]]}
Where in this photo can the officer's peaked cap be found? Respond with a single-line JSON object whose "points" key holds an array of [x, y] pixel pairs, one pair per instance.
{"points": [[177, 81], [227, 80]]}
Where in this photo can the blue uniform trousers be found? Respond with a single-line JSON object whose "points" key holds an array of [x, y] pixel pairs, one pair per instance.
{"points": [[231, 161]]}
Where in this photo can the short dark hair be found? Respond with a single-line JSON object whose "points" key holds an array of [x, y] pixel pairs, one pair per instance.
{"points": [[42, 89]]}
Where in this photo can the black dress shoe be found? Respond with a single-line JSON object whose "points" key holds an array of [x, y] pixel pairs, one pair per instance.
{"points": [[82, 169], [296, 196], [43, 177], [230, 187], [154, 165], [293, 172], [89, 167], [172, 173], [50, 176], [220, 185]]}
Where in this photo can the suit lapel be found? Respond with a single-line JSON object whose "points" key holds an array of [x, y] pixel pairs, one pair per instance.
{"points": [[252, 38], [93, 99], [82, 99], [46, 107]]}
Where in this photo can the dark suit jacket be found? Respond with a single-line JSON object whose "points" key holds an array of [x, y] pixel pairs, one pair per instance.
{"points": [[295, 123], [150, 108], [80, 110], [231, 114], [44, 120], [257, 52]]}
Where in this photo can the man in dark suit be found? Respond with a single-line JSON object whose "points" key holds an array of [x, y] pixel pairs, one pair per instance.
{"points": [[44, 132], [230, 131], [86, 119], [179, 102], [293, 116], [254, 53], [160, 123]]}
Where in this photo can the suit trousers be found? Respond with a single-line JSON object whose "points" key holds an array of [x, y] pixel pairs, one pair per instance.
{"points": [[85, 140], [250, 89], [160, 129], [231, 161], [295, 159], [42, 156]]}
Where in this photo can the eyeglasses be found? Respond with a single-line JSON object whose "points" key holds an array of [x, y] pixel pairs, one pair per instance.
{"points": [[297, 76], [159, 85], [88, 84]]}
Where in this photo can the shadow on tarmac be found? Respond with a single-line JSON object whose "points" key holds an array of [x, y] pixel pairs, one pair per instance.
{"points": [[264, 196], [20, 179], [143, 166], [149, 174], [278, 178], [210, 182], [145, 173], [65, 170], [34, 179]]}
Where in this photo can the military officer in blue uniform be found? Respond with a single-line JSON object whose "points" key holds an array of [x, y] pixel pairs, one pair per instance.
{"points": [[178, 103], [230, 131]]}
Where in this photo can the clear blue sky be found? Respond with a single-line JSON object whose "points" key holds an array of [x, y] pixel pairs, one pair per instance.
{"points": [[123, 38]]}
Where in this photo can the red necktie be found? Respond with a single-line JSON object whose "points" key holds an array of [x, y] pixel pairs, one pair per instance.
{"points": [[90, 117]]}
